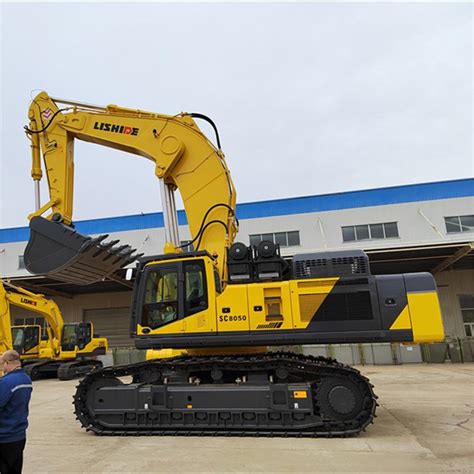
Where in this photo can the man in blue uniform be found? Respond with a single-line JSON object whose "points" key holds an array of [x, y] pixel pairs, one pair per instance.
{"points": [[15, 393]]}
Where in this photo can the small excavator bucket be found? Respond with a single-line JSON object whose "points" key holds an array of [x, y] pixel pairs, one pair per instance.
{"points": [[60, 252]]}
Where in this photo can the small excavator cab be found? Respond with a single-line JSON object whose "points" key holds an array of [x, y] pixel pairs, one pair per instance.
{"points": [[76, 335], [62, 253], [26, 339]]}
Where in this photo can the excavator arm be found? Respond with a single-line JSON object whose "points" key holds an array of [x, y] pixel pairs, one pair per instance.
{"points": [[5, 322], [184, 158]]}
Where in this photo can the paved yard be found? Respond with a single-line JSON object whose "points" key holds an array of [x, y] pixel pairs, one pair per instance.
{"points": [[425, 423]]}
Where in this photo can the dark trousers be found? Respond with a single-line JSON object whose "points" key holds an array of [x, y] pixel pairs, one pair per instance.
{"points": [[11, 457]]}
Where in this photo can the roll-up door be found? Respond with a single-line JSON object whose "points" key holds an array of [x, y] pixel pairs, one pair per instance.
{"points": [[113, 323]]}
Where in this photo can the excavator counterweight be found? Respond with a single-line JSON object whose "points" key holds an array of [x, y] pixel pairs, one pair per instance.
{"points": [[59, 251]]}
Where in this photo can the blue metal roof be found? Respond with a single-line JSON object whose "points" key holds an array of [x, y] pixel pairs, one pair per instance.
{"points": [[279, 207]]}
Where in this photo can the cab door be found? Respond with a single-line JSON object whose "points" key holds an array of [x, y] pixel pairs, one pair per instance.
{"points": [[26, 340], [177, 298], [162, 308], [199, 307]]}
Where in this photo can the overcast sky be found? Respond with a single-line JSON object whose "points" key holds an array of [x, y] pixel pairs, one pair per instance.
{"points": [[308, 98]]}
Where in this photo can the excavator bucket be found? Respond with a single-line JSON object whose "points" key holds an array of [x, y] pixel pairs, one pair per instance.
{"points": [[64, 254]]}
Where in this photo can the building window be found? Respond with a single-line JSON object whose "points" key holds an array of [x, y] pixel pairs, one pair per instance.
{"points": [[384, 230], [467, 310], [21, 262], [456, 224], [285, 239]]}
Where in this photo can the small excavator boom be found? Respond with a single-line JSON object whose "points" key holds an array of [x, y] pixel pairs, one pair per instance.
{"points": [[40, 305], [5, 323]]}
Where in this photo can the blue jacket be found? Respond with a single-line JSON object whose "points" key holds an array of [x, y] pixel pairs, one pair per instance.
{"points": [[15, 394]]}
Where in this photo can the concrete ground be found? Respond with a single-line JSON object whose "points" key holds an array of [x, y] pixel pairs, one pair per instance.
{"points": [[425, 423]]}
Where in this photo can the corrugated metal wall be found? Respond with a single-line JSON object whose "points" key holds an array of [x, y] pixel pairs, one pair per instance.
{"points": [[113, 323], [451, 284]]}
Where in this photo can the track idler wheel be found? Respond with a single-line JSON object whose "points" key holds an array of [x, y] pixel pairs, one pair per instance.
{"points": [[339, 398]]}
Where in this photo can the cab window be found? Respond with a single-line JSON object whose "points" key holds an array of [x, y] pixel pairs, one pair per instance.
{"points": [[25, 338], [17, 336], [69, 335], [83, 335], [160, 306], [195, 288]]}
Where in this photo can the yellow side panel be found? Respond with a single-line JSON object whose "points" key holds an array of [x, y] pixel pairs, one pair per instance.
{"points": [[204, 321], [309, 304], [270, 306], [176, 327], [403, 320], [306, 298], [94, 344], [152, 354], [232, 309], [427, 322]]}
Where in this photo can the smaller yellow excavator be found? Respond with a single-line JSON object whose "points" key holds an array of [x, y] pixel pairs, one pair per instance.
{"points": [[65, 350]]}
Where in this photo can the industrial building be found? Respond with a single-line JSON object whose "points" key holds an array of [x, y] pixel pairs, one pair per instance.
{"points": [[410, 228]]}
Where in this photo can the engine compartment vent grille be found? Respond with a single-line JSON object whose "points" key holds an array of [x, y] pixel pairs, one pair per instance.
{"points": [[331, 264]]}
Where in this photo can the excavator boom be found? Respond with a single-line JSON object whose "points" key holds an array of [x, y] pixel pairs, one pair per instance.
{"points": [[184, 159]]}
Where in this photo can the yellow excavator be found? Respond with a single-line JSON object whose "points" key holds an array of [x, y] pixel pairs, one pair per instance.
{"points": [[224, 303], [63, 350]]}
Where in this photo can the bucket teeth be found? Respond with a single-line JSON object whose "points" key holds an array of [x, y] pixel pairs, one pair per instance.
{"points": [[116, 252], [101, 248], [110, 244], [132, 258], [126, 254], [98, 240], [92, 242]]}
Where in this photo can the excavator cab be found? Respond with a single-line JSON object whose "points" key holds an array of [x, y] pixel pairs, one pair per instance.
{"points": [[171, 291], [59, 251], [76, 335], [26, 339]]}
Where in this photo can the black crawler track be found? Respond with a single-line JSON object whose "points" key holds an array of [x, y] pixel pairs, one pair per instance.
{"points": [[62, 369], [314, 370], [77, 368]]}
